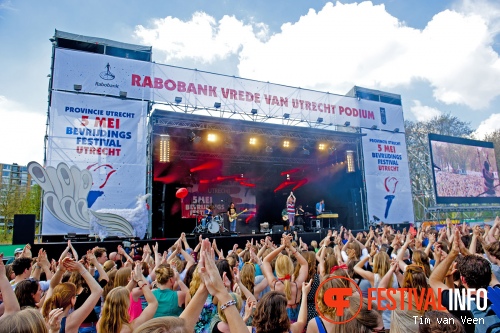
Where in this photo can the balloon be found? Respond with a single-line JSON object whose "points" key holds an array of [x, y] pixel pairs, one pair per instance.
{"points": [[181, 193]]}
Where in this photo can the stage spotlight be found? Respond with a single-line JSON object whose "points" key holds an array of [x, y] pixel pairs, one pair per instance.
{"points": [[252, 141], [332, 150], [321, 146], [178, 99], [396, 130], [286, 144], [320, 120], [77, 87], [216, 105], [269, 149], [123, 94], [164, 148], [350, 161], [374, 127], [305, 151], [211, 137], [254, 111], [286, 115], [347, 124]]}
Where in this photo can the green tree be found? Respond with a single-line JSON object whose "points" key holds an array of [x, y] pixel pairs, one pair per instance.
{"points": [[495, 138], [16, 199]]}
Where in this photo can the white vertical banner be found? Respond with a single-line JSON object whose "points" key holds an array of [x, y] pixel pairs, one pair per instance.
{"points": [[107, 137], [387, 175]]}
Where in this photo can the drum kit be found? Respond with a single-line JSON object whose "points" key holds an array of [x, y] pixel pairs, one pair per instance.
{"points": [[212, 224]]}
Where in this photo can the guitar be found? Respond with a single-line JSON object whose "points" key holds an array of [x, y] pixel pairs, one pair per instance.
{"points": [[234, 216]]}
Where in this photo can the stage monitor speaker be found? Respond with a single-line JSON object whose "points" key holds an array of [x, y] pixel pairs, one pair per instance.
{"points": [[298, 228], [24, 229], [277, 229]]}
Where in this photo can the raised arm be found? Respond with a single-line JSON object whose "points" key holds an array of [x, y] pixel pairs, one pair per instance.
{"points": [[211, 278], [300, 325], [267, 270], [150, 309], [401, 253], [9, 298], [76, 318], [359, 268], [439, 273]]}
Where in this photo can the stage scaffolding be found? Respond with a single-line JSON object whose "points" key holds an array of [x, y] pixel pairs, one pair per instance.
{"points": [[462, 212]]}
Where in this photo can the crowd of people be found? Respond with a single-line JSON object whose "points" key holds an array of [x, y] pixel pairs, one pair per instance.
{"points": [[449, 184], [258, 286]]}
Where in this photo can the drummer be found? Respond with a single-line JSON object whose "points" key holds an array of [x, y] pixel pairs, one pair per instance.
{"points": [[208, 216]]}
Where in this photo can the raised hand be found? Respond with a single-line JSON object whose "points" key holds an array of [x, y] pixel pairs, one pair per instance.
{"points": [[55, 317]]}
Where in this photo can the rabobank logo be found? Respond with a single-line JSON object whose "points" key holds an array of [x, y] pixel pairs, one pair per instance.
{"points": [[107, 75]]}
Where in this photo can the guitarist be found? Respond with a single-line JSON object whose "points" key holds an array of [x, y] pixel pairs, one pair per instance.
{"points": [[231, 213]]}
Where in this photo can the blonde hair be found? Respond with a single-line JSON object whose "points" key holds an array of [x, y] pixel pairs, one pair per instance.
{"points": [[29, 320], [108, 265], [163, 274], [110, 285], [195, 282], [61, 297], [162, 325], [284, 271], [247, 276], [382, 264], [115, 311], [122, 277], [239, 305]]}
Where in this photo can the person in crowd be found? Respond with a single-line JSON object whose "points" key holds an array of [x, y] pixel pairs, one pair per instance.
{"points": [[28, 293], [271, 313], [170, 302], [284, 272], [63, 296], [364, 321], [115, 316]]}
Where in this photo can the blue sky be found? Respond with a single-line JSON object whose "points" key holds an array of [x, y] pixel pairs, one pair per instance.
{"points": [[441, 56]]}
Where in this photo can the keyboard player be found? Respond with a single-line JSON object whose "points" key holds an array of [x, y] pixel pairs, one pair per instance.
{"points": [[320, 207]]}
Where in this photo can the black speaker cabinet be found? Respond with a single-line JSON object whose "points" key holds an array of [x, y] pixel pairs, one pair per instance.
{"points": [[24, 229], [298, 228], [277, 229]]}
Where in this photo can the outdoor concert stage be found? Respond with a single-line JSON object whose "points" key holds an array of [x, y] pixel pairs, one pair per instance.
{"points": [[216, 161], [224, 241]]}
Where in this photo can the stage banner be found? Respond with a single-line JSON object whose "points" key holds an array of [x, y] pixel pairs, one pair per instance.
{"points": [[107, 137], [387, 176], [220, 196], [102, 74]]}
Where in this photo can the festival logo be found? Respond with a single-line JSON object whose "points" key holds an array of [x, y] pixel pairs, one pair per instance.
{"points": [[390, 184], [337, 298]]}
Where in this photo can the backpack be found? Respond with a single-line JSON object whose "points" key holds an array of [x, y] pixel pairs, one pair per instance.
{"points": [[491, 320]]}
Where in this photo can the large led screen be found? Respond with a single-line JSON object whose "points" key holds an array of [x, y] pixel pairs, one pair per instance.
{"points": [[465, 171]]}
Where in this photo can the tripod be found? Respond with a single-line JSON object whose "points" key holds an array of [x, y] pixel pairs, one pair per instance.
{"points": [[198, 228]]}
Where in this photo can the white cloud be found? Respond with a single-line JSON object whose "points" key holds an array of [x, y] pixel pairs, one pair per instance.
{"points": [[487, 126], [423, 112], [25, 145], [343, 45], [201, 38]]}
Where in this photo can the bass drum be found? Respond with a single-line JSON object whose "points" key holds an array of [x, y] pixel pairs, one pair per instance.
{"points": [[214, 227]]}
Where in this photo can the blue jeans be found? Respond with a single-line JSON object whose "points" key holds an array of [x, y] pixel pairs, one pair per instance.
{"points": [[232, 225]]}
